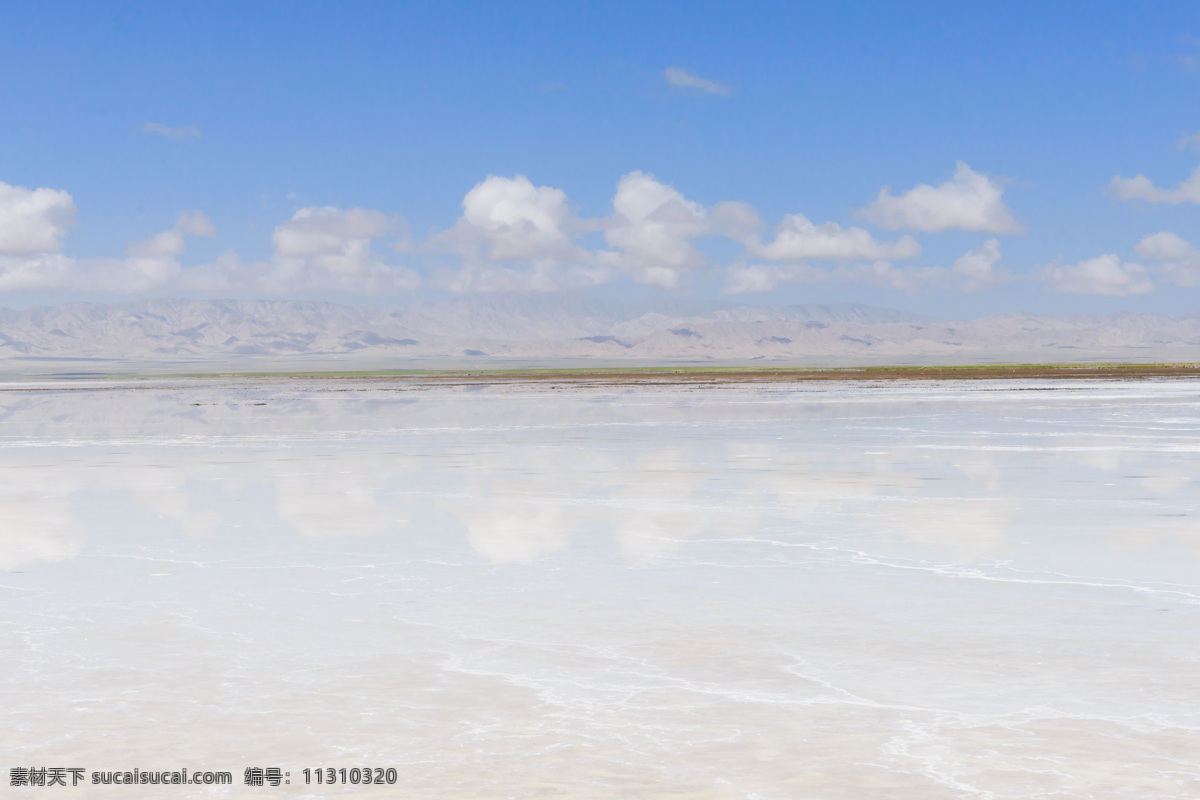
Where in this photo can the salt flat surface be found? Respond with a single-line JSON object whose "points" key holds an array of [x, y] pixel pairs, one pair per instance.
{"points": [[902, 590]]}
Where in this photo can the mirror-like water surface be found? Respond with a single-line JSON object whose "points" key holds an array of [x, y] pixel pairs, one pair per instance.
{"points": [[834, 591]]}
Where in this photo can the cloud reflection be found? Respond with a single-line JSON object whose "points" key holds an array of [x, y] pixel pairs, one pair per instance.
{"points": [[521, 476], [34, 526]]}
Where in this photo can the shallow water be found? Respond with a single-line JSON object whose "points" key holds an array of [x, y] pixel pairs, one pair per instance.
{"points": [[898, 590]]}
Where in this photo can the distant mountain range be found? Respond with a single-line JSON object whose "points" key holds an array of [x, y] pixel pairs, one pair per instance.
{"points": [[504, 330]]}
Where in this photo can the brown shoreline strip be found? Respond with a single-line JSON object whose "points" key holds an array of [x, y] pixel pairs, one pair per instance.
{"points": [[664, 376], [770, 375], [724, 375]]}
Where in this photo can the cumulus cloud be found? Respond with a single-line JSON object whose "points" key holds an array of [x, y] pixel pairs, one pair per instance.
{"points": [[153, 261], [33, 220], [520, 222], [33, 224], [970, 272], [976, 269], [1142, 188], [332, 239], [512, 235], [318, 250], [507, 221], [1177, 257], [653, 225], [150, 264], [1165, 246], [970, 201], [798, 239], [35, 271], [1104, 275], [321, 249], [170, 243], [510, 219], [167, 132], [677, 76]]}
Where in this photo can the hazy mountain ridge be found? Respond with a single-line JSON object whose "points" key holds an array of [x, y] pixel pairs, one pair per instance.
{"points": [[566, 327]]}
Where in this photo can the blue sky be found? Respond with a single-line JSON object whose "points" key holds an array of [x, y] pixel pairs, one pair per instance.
{"points": [[327, 150]]}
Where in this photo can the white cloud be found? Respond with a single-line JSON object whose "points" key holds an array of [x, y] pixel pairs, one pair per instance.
{"points": [[1177, 257], [971, 201], [152, 261], [974, 270], [39, 220], [332, 239], [677, 76], [170, 243], [512, 236], [970, 272], [653, 226], [510, 219], [521, 222], [1165, 246], [42, 272], [195, 223], [167, 132], [318, 251], [35, 271], [1141, 188], [230, 275], [33, 220], [744, 278], [798, 239], [149, 265], [735, 220], [1104, 275], [539, 278]]}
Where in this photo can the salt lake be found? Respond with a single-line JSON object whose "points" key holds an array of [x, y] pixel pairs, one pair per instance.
{"points": [[825, 590]]}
